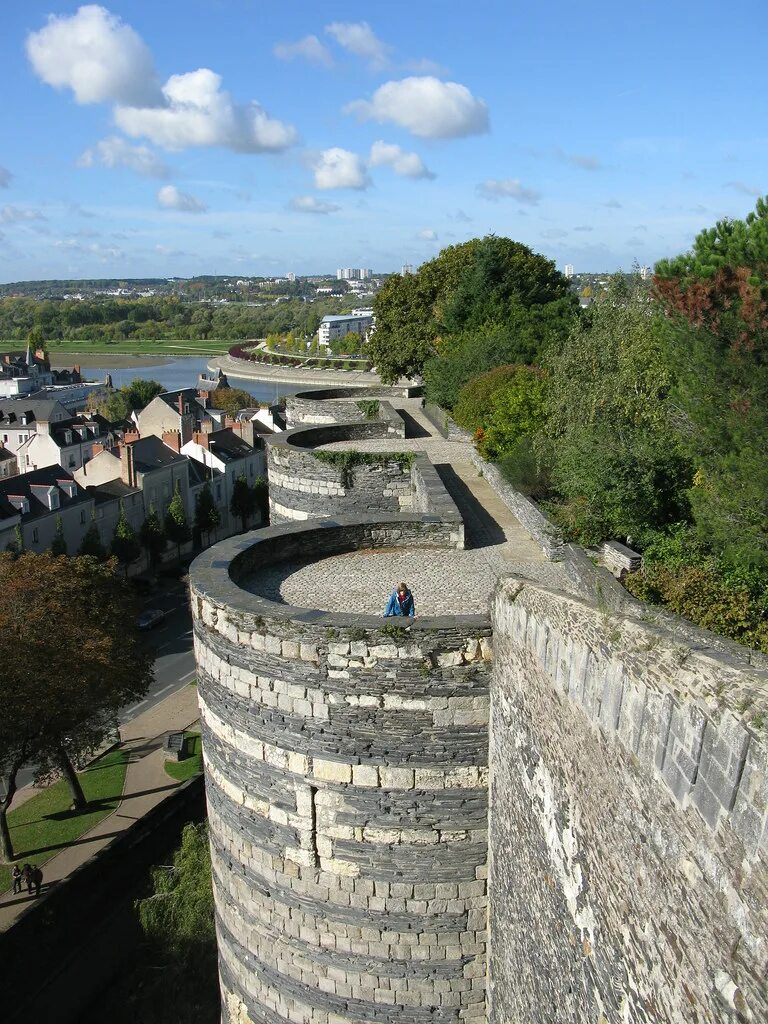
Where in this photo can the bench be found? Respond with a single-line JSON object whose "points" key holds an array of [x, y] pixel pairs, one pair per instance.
{"points": [[619, 559], [173, 746]]}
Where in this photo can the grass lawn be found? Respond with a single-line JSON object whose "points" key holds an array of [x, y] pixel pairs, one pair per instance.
{"points": [[192, 763], [171, 347], [44, 825]]}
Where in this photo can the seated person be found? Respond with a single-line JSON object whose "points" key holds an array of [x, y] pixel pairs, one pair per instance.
{"points": [[401, 602]]}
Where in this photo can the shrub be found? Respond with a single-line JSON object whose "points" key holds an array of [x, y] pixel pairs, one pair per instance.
{"points": [[473, 406], [516, 411], [525, 469]]}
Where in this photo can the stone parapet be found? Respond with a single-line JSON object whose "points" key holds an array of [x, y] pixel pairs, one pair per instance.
{"points": [[628, 833], [346, 774], [328, 405]]}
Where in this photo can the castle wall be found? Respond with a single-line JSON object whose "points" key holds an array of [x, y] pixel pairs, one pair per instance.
{"points": [[322, 405], [346, 778], [628, 838], [302, 486]]}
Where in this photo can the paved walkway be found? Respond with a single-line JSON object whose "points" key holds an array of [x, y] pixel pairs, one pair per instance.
{"points": [[146, 784], [269, 372], [444, 581]]}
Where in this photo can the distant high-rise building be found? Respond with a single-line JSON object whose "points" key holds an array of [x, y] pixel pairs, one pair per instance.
{"points": [[646, 273], [290, 277], [406, 269], [568, 271], [353, 274]]}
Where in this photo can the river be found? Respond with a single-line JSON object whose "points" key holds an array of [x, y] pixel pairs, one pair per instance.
{"points": [[183, 373]]}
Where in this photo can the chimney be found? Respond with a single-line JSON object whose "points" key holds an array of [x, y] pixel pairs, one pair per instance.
{"points": [[97, 450], [172, 438], [127, 466], [131, 435], [187, 426], [180, 404], [201, 438]]}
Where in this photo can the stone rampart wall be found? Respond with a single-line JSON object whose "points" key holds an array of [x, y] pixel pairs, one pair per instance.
{"points": [[326, 406], [346, 779], [304, 486], [629, 874]]}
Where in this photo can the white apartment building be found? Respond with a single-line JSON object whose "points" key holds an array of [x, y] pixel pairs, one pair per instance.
{"points": [[360, 322], [568, 271], [353, 274]]}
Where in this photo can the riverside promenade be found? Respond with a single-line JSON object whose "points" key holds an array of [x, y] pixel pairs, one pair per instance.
{"points": [[146, 785], [274, 373]]}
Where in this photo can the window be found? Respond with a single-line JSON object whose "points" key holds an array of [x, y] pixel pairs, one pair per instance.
{"points": [[250, 470], [218, 492], [82, 515], [35, 537]]}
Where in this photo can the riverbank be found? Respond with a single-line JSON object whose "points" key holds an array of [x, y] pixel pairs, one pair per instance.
{"points": [[86, 360], [273, 373]]}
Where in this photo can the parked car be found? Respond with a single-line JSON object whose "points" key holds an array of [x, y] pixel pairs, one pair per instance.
{"points": [[150, 618]]}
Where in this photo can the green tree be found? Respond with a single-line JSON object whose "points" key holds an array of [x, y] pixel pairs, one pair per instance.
{"points": [[141, 392], [91, 542], [716, 296], [516, 411], [480, 286], [610, 437], [232, 400], [125, 544], [176, 525], [207, 516], [71, 661], [59, 542], [243, 501], [152, 537], [113, 406]]}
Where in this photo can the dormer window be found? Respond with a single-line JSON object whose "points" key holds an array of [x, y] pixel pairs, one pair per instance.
{"points": [[67, 437], [69, 487], [19, 502], [53, 499]]}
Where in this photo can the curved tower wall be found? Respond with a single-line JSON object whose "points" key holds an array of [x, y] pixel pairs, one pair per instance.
{"points": [[302, 486], [346, 780]]}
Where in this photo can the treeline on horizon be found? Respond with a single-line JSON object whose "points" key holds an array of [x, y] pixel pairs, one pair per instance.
{"points": [[108, 319], [643, 418]]}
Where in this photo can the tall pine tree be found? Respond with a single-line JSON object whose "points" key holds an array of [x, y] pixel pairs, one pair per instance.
{"points": [[176, 525], [125, 545], [152, 537], [207, 516]]}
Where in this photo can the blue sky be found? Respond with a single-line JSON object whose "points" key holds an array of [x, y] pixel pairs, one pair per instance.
{"points": [[240, 137]]}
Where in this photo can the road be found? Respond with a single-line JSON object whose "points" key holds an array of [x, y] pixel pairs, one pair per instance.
{"points": [[174, 658]]}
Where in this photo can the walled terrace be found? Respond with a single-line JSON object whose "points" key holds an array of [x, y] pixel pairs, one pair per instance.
{"points": [[552, 809]]}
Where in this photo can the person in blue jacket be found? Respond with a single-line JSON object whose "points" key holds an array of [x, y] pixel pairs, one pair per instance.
{"points": [[401, 602]]}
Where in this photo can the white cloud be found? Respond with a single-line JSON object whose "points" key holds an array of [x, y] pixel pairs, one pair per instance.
{"points": [[359, 38], [613, 204], [5, 177], [427, 235], [97, 56], [339, 168], [116, 152], [19, 215], [508, 188], [425, 66], [743, 187], [310, 48], [426, 107], [407, 165], [198, 112], [170, 198], [461, 217], [308, 204]]}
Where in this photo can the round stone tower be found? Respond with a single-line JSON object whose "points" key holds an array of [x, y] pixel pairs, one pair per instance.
{"points": [[345, 759]]}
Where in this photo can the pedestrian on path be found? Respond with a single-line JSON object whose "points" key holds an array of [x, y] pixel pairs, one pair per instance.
{"points": [[400, 602], [37, 879], [17, 877]]}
